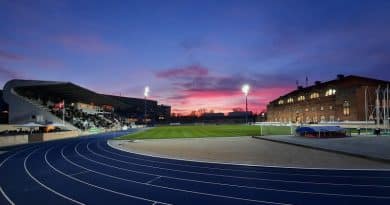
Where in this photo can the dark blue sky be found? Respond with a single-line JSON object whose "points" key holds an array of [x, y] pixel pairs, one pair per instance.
{"points": [[194, 54]]}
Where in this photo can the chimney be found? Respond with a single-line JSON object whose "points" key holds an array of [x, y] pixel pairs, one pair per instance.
{"points": [[340, 76], [317, 82]]}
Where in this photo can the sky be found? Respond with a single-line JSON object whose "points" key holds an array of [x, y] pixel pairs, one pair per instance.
{"points": [[194, 54]]}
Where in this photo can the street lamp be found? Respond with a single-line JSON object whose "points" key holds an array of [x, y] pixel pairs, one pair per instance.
{"points": [[245, 89], [146, 93]]}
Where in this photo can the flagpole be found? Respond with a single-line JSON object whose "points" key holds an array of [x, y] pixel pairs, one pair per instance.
{"points": [[63, 112]]}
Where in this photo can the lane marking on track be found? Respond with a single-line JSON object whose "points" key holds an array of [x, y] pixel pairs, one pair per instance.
{"points": [[240, 164], [238, 177], [153, 180], [43, 185], [78, 173], [226, 169], [93, 185], [163, 187], [232, 185], [3, 162], [6, 197]]}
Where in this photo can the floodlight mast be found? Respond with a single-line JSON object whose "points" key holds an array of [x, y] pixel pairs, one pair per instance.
{"points": [[146, 94], [245, 89]]}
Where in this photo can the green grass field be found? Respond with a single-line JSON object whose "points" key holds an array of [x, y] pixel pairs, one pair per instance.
{"points": [[192, 131]]}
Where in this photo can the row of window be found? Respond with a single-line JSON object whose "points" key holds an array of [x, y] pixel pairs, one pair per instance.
{"points": [[346, 108], [314, 95], [308, 119]]}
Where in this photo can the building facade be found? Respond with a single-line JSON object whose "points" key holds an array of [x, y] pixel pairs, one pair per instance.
{"points": [[347, 98]]}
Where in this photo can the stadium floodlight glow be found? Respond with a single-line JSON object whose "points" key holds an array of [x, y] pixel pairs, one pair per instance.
{"points": [[245, 89], [146, 92]]}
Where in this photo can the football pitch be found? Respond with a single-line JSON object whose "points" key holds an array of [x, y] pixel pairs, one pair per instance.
{"points": [[191, 131]]}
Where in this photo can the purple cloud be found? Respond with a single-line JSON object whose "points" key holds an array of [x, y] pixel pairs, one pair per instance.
{"points": [[10, 56], [184, 72], [85, 43]]}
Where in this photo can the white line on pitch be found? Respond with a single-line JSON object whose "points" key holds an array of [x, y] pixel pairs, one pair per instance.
{"points": [[3, 162], [78, 173], [249, 165], [89, 184], [224, 184], [164, 187], [153, 180], [43, 185], [236, 177], [6, 197]]}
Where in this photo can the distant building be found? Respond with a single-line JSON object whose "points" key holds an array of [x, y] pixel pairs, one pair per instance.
{"points": [[239, 114], [217, 115], [342, 99], [163, 112]]}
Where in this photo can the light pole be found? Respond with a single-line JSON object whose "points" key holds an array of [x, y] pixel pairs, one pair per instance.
{"points": [[245, 89], [146, 93]]}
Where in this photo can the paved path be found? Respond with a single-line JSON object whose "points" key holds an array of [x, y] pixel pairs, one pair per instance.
{"points": [[88, 171], [376, 147], [245, 150]]}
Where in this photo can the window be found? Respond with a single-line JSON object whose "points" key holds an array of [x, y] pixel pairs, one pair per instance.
{"points": [[301, 98], [346, 106], [331, 118], [322, 108], [330, 92], [323, 118], [314, 95], [290, 100], [307, 109], [281, 102], [330, 107]]}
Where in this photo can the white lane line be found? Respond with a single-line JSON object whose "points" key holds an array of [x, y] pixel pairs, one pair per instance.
{"points": [[153, 180], [240, 177], [43, 185], [241, 164], [93, 185], [78, 173], [3, 162], [233, 185], [6, 197], [163, 187], [223, 169]]}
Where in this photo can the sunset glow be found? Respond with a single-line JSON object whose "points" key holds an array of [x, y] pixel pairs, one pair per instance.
{"points": [[194, 62]]}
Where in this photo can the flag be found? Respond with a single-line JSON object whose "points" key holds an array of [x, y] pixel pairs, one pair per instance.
{"points": [[59, 105]]}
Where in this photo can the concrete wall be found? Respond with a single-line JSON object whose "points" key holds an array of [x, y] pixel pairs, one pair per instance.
{"points": [[4, 127], [13, 140], [40, 137]]}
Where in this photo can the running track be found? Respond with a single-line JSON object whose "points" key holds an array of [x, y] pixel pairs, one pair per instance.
{"points": [[88, 171]]}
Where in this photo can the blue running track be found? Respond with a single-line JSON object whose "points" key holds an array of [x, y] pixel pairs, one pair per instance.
{"points": [[87, 170]]}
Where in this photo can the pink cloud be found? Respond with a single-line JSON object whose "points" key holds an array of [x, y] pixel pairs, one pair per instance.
{"points": [[188, 71], [224, 100]]}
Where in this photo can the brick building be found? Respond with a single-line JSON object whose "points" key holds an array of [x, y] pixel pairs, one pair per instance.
{"points": [[342, 99]]}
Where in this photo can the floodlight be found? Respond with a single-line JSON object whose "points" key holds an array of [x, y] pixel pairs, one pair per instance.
{"points": [[245, 89]]}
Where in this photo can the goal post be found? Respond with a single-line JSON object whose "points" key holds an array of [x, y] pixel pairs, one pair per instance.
{"points": [[275, 129]]}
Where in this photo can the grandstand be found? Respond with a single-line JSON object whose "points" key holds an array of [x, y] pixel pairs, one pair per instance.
{"points": [[77, 108], [3, 109]]}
